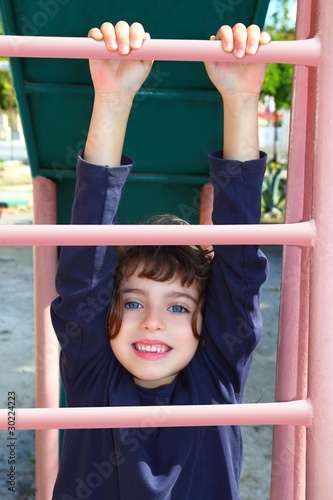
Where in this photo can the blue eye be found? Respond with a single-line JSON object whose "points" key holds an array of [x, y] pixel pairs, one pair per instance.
{"points": [[132, 305], [177, 309]]}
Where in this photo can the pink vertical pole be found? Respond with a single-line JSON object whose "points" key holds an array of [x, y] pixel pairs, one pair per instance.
{"points": [[206, 204], [289, 443], [319, 483], [46, 348]]}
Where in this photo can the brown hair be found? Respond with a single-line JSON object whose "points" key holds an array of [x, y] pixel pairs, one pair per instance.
{"points": [[190, 264]]}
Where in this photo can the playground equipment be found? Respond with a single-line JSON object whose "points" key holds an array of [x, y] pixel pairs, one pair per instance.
{"points": [[301, 462]]}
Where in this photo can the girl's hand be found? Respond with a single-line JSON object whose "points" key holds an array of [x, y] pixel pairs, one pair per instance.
{"points": [[237, 77], [119, 76]]}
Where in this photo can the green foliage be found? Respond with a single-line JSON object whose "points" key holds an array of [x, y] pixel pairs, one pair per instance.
{"points": [[274, 190], [278, 84], [7, 95], [278, 79]]}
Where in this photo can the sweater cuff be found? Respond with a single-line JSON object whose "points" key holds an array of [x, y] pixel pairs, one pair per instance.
{"points": [[218, 164], [85, 169], [237, 189]]}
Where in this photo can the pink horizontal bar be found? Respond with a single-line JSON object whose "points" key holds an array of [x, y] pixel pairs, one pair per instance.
{"points": [[304, 52], [299, 234], [288, 413]]}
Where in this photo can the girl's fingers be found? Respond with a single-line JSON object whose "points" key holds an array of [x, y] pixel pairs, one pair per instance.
{"points": [[95, 33], [129, 37], [122, 30], [264, 38], [240, 40], [253, 37], [108, 32], [136, 35], [120, 37], [226, 36]]}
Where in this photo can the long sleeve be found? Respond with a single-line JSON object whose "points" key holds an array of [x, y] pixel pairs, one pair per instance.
{"points": [[84, 279], [232, 321]]}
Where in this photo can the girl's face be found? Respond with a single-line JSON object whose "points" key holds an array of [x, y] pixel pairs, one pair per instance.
{"points": [[156, 339]]}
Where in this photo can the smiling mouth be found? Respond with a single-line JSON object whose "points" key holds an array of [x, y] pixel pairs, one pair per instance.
{"points": [[158, 348]]}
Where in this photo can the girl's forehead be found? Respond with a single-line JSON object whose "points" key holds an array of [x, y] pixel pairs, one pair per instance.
{"points": [[136, 278], [142, 284]]}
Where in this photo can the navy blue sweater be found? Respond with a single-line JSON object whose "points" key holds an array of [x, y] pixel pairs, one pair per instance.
{"points": [[189, 463]]}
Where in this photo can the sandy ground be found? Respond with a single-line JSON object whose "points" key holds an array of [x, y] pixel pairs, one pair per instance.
{"points": [[17, 367]]}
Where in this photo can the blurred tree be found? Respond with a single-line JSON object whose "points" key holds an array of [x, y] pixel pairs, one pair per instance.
{"points": [[278, 81], [7, 95]]}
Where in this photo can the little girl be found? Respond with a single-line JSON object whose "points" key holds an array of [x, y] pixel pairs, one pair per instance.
{"points": [[160, 325]]}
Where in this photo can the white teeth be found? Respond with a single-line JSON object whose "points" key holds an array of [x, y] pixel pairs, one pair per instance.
{"points": [[151, 348]]}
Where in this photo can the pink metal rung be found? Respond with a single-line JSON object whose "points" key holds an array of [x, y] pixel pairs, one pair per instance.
{"points": [[287, 413], [300, 234], [304, 52]]}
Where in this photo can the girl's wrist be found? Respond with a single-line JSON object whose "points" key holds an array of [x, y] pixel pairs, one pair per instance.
{"points": [[239, 100], [241, 107], [114, 97], [116, 103], [241, 126]]}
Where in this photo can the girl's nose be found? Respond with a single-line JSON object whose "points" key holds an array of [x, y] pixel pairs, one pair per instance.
{"points": [[152, 321]]}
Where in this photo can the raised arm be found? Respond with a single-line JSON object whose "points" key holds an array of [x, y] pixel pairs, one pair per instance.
{"points": [[239, 85], [232, 314], [85, 274], [115, 85]]}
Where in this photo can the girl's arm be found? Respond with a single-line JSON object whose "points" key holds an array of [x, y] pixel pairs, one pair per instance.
{"points": [[115, 85], [232, 314], [85, 274], [239, 85]]}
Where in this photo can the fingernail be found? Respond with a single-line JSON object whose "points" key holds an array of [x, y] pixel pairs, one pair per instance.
{"points": [[113, 44], [123, 49], [136, 43], [251, 49], [227, 47], [238, 53], [265, 36]]}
